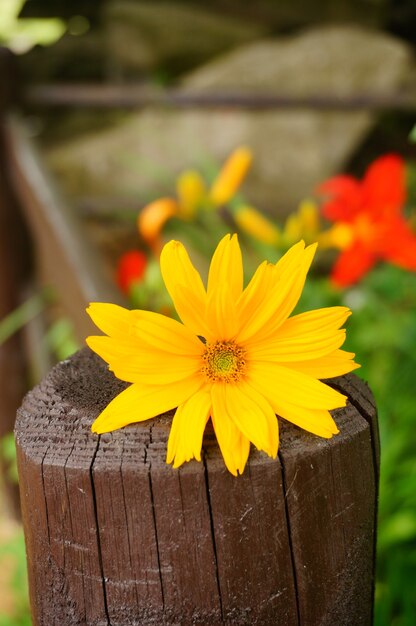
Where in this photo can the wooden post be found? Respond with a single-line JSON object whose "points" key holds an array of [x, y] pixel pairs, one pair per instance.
{"points": [[116, 537]]}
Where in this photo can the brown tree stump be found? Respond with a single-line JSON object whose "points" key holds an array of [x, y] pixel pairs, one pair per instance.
{"points": [[116, 536]]}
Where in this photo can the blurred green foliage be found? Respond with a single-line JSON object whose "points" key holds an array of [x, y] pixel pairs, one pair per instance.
{"points": [[8, 454], [22, 34], [23, 314], [60, 339], [13, 557]]}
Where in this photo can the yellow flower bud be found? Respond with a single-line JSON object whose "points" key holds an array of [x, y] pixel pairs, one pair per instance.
{"points": [[252, 222], [293, 228], [191, 190], [231, 176], [309, 217]]}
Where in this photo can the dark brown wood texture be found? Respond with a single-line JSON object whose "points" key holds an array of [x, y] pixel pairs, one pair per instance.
{"points": [[117, 537]]}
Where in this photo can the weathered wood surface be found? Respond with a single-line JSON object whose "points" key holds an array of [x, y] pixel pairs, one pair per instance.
{"points": [[116, 537]]}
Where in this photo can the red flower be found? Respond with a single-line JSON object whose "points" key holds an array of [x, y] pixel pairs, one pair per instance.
{"points": [[369, 225], [131, 267]]}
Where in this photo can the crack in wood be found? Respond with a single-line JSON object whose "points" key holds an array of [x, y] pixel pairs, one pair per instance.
{"points": [[211, 522], [289, 532], [154, 516], [126, 521], [100, 557]]}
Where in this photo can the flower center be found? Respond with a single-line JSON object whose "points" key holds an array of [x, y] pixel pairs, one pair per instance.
{"points": [[223, 362]]}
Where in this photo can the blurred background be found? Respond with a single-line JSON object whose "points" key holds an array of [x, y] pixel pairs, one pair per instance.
{"points": [[124, 123]]}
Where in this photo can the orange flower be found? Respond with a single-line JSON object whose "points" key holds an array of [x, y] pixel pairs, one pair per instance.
{"points": [[369, 224]]}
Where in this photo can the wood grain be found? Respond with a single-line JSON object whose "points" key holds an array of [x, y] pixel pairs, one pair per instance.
{"points": [[117, 537]]}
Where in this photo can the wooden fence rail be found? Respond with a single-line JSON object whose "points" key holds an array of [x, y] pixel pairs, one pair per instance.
{"points": [[136, 96], [117, 537]]}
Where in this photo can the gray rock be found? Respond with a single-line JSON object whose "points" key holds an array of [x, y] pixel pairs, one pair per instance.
{"points": [[336, 60], [293, 150]]}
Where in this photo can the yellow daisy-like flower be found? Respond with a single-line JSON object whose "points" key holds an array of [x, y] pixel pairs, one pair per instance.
{"points": [[236, 358]]}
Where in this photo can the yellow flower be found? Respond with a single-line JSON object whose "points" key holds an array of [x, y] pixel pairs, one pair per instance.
{"points": [[231, 176], [254, 223], [237, 357]]}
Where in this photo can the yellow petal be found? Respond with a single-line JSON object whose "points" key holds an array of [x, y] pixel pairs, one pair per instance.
{"points": [[263, 317], [291, 269], [257, 292], [318, 320], [144, 366], [185, 439], [227, 267], [141, 402], [180, 276], [111, 349], [154, 216], [254, 416], [240, 453], [306, 336], [231, 176], [254, 223], [193, 316], [284, 268], [274, 294], [112, 319], [234, 446], [221, 315], [316, 421], [250, 412], [166, 334], [276, 382], [300, 349], [286, 264], [336, 363], [141, 330]]}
